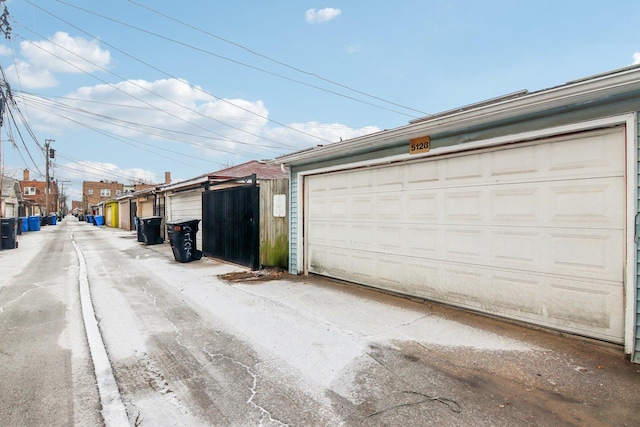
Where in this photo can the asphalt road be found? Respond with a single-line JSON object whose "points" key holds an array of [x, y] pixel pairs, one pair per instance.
{"points": [[189, 348]]}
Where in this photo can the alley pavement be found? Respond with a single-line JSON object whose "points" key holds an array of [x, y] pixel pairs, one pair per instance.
{"points": [[208, 343]]}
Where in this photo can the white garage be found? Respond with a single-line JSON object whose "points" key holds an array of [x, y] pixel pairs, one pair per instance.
{"points": [[185, 205], [524, 206], [533, 231]]}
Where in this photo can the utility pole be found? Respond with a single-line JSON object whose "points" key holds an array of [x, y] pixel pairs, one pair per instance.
{"points": [[5, 92], [63, 198], [48, 153]]}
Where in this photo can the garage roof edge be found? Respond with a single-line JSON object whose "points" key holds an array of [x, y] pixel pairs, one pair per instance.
{"points": [[524, 104]]}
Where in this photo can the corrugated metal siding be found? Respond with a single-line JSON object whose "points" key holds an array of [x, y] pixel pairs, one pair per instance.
{"points": [[293, 224], [636, 355]]}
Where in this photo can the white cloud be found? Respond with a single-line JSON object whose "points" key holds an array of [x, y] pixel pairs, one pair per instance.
{"points": [[327, 14], [180, 119], [66, 54], [167, 112], [30, 77], [86, 170], [334, 132], [4, 50], [171, 104], [352, 49], [636, 58]]}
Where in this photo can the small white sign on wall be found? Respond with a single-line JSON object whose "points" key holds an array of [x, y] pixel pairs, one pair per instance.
{"points": [[279, 205]]}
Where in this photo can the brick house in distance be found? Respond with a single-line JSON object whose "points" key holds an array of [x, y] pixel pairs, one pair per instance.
{"points": [[95, 192], [34, 196]]}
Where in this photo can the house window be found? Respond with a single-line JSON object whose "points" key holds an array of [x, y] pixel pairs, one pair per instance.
{"points": [[105, 192], [118, 192], [29, 191], [90, 191]]}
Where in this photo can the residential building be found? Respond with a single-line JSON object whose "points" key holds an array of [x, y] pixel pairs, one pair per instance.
{"points": [[35, 197], [11, 197], [94, 192]]}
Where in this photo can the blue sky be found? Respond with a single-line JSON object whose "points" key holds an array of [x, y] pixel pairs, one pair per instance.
{"points": [[131, 89]]}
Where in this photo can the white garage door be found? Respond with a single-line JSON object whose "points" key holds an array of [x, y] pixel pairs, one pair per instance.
{"points": [[533, 232], [186, 205]]}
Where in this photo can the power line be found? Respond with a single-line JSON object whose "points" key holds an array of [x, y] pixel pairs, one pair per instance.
{"points": [[228, 59], [270, 58], [136, 127], [174, 77], [132, 125], [144, 89]]}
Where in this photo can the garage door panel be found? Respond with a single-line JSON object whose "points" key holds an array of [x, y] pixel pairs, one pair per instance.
{"points": [[362, 237], [587, 156], [523, 161], [389, 207], [421, 175], [466, 167], [587, 307], [390, 238], [532, 232], [595, 203], [591, 254], [464, 206], [362, 207], [338, 208], [423, 242], [516, 248], [422, 206], [363, 266], [464, 245], [516, 204]]}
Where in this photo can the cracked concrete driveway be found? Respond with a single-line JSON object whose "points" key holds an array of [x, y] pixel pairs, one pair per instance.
{"points": [[192, 347]]}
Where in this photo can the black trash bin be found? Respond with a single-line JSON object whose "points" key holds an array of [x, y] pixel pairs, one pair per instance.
{"points": [[182, 236], [9, 231], [151, 230], [20, 225]]}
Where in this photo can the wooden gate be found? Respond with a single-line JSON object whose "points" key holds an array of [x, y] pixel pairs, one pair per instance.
{"points": [[231, 224]]}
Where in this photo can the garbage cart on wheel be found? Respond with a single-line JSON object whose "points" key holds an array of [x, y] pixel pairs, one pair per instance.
{"points": [[182, 236]]}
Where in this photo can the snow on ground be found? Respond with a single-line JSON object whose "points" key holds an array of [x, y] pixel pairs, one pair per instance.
{"points": [[321, 332], [13, 261]]}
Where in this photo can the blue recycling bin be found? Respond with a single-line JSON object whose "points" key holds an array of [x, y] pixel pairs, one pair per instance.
{"points": [[90, 219], [53, 219], [98, 220], [136, 220], [34, 223], [25, 223]]}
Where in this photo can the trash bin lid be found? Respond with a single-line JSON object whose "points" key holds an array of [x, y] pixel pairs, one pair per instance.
{"points": [[181, 221]]}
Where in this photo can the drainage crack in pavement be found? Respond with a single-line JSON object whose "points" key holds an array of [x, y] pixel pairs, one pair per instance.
{"points": [[13, 301], [253, 389], [146, 288]]}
